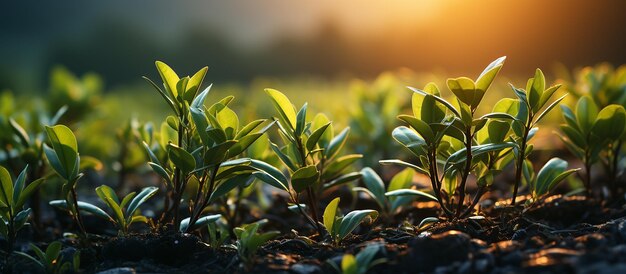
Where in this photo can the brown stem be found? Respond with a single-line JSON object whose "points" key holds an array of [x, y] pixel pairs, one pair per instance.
{"points": [[436, 185], [479, 194], [77, 216]]}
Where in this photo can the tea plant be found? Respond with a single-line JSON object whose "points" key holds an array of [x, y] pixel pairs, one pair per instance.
{"points": [[206, 145], [52, 260], [249, 240], [527, 111], [588, 131], [441, 132], [338, 226], [123, 212], [13, 196], [552, 173], [311, 155], [22, 142], [64, 159], [398, 193]]}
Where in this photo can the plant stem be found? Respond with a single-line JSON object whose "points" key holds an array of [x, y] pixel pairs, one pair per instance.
{"points": [[466, 171], [479, 194], [436, 185], [178, 180], [77, 216], [520, 165]]}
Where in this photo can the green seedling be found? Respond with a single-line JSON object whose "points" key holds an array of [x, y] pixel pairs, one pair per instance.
{"points": [[249, 240], [203, 145], [13, 196], [398, 193], [550, 175], [362, 262], [527, 110], [52, 260], [589, 131], [338, 226], [64, 159], [123, 211], [442, 133], [310, 153], [22, 143]]}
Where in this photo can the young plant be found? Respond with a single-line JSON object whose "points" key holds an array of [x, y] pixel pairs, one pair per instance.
{"points": [[550, 175], [123, 211], [311, 155], [443, 133], [398, 193], [22, 143], [362, 262], [52, 260], [249, 240], [339, 226], [527, 111], [13, 196], [204, 148], [588, 131], [64, 159]]}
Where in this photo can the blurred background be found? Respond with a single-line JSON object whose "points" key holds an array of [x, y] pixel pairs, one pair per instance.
{"points": [[242, 40], [350, 59]]}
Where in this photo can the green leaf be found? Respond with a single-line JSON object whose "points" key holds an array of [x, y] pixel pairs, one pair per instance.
{"points": [[546, 95], [315, 136], [348, 177], [84, 206], [141, 198], [498, 130], [28, 191], [374, 184], [489, 74], [439, 99], [284, 157], [401, 180], [169, 77], [465, 89], [404, 164], [231, 183], [410, 140], [65, 148], [19, 186], [284, 107], [161, 171], [549, 108], [52, 252], [340, 164], [269, 174], [249, 128], [430, 110], [194, 83], [410, 192], [353, 219], [535, 90], [336, 144], [349, 264], [20, 219], [242, 144], [301, 120], [546, 178], [181, 158], [105, 192], [460, 156], [330, 213], [420, 126], [201, 222], [304, 177], [586, 113], [228, 121], [7, 186], [610, 122], [20, 132], [198, 116]]}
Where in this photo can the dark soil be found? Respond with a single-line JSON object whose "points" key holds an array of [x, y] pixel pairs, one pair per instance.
{"points": [[563, 235]]}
